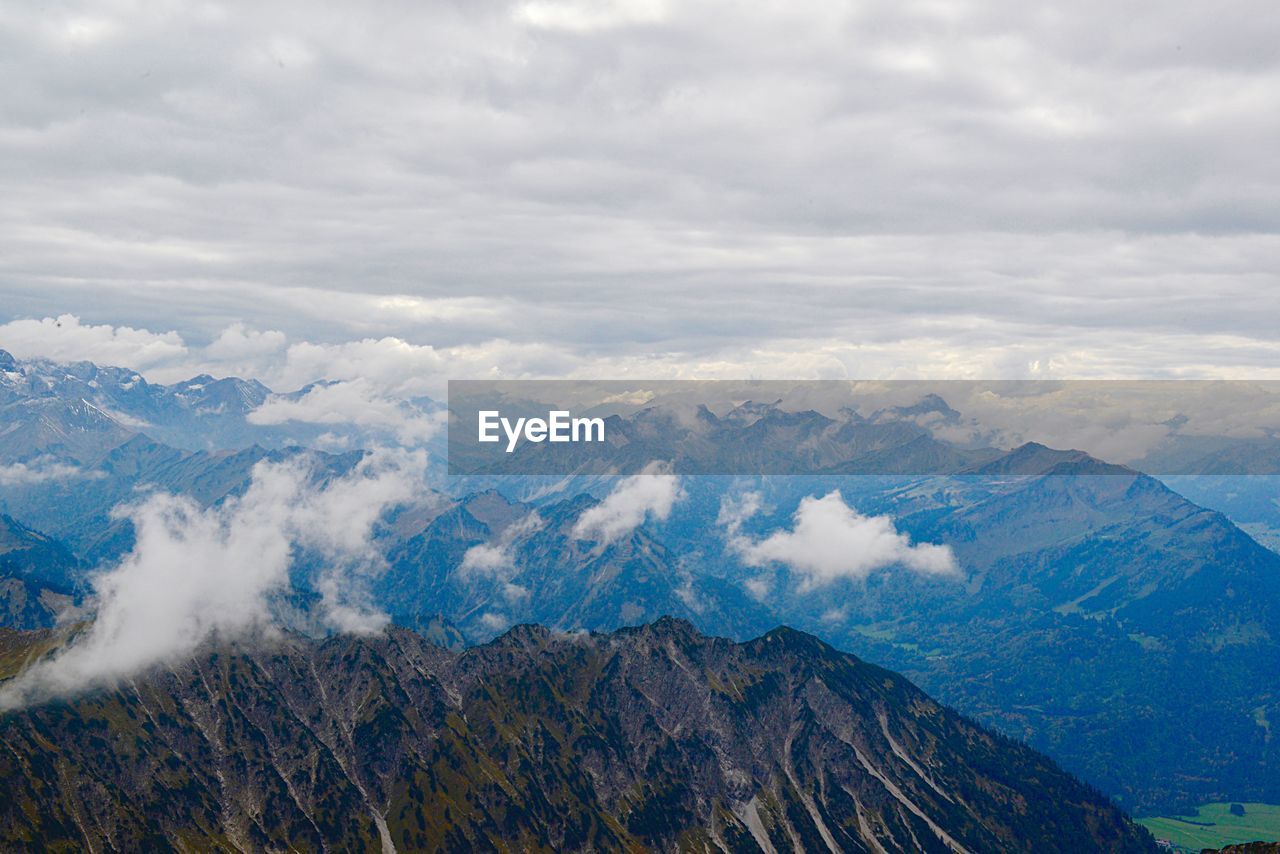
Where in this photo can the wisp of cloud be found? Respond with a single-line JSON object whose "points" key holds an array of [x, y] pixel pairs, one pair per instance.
{"points": [[197, 573], [40, 471], [495, 559], [649, 494]]}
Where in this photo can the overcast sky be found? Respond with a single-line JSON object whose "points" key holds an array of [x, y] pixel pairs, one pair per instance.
{"points": [[643, 188]]}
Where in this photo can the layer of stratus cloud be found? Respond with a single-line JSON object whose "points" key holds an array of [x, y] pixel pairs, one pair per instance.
{"points": [[875, 187]]}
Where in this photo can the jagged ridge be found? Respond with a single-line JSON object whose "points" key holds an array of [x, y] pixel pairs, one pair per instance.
{"points": [[655, 737]]}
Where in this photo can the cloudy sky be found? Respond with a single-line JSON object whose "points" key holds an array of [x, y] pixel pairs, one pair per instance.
{"points": [[640, 187]]}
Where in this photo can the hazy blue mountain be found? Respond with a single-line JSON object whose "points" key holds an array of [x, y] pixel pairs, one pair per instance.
{"points": [[549, 577], [78, 411], [72, 431], [1127, 631], [201, 412], [39, 577], [752, 437], [29, 554], [1108, 620], [1113, 623], [79, 510], [1214, 455], [1251, 501]]}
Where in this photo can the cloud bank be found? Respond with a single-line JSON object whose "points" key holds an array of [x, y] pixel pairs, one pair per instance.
{"points": [[198, 573], [66, 339], [990, 190], [829, 540]]}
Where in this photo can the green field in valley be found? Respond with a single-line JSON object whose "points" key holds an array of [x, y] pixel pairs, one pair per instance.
{"points": [[1213, 826]]}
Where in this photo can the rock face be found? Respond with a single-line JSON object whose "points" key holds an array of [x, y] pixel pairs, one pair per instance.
{"points": [[649, 738]]}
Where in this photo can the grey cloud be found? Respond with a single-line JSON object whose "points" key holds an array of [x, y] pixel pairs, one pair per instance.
{"points": [[939, 177]]}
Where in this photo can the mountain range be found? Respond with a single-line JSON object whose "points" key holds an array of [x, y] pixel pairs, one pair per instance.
{"points": [[1106, 620], [649, 738], [76, 411], [1127, 632]]}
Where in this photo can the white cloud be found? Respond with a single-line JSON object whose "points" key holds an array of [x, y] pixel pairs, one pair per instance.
{"points": [[348, 608], [350, 402], [648, 495], [758, 587], [494, 621], [238, 342], [376, 374], [40, 471], [830, 540], [835, 615], [587, 15], [496, 559], [515, 593], [370, 382], [197, 573], [66, 339], [387, 363], [687, 594], [484, 559], [735, 509], [639, 397]]}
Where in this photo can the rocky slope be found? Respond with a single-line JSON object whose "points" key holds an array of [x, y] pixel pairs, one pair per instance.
{"points": [[649, 738]]}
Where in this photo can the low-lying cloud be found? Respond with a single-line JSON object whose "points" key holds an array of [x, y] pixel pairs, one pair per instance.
{"points": [[829, 540], [649, 495], [735, 509], [198, 573], [357, 403], [496, 559], [40, 471]]}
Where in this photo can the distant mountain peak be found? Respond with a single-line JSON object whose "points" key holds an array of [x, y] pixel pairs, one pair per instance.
{"points": [[671, 626], [523, 635], [930, 404], [1035, 458], [791, 639], [751, 410]]}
